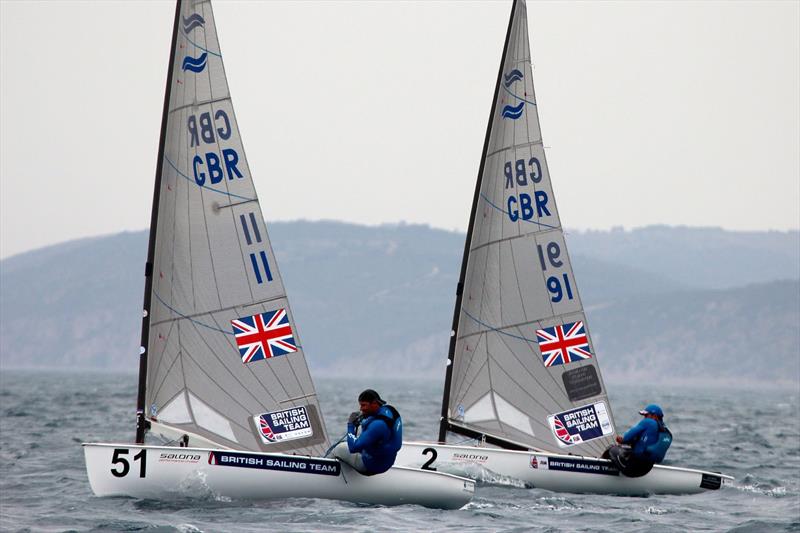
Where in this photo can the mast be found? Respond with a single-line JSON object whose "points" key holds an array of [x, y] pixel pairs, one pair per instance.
{"points": [[443, 421], [148, 268]]}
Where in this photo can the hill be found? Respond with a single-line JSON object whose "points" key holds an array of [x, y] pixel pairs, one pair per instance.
{"points": [[367, 296]]}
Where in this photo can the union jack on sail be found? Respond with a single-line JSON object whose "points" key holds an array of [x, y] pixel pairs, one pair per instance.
{"points": [[563, 344], [264, 335]]}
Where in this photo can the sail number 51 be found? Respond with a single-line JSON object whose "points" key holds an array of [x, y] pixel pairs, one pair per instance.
{"points": [[121, 466], [558, 286]]}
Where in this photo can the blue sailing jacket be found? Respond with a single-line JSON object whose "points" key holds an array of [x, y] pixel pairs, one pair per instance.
{"points": [[649, 439], [381, 437]]}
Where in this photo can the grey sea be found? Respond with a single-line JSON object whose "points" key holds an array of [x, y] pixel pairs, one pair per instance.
{"points": [[752, 434]]}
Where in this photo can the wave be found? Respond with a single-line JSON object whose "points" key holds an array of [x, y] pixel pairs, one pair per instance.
{"points": [[513, 112], [191, 22], [195, 64], [511, 77]]}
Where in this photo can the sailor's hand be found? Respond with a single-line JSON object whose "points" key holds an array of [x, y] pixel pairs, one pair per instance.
{"points": [[354, 418], [619, 439]]}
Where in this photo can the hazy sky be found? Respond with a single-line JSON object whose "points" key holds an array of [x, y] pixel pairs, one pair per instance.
{"points": [[652, 113]]}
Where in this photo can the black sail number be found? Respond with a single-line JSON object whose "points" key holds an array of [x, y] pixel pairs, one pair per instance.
{"points": [[434, 455], [121, 465]]}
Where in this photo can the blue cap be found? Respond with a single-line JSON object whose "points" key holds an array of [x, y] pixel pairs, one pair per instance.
{"points": [[652, 409]]}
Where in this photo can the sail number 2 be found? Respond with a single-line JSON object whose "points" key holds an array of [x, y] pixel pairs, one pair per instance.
{"points": [[121, 466], [558, 286]]}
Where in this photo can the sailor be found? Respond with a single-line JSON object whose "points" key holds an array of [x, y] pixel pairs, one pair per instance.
{"points": [[642, 446], [375, 450]]}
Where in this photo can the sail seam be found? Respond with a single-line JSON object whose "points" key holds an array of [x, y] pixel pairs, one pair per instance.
{"points": [[458, 396], [161, 360], [515, 147], [200, 47], [198, 104]]}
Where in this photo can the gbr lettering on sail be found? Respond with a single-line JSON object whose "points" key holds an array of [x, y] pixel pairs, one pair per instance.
{"points": [[206, 131], [521, 173]]}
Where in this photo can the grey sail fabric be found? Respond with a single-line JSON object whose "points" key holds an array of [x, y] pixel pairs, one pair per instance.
{"points": [[523, 367], [224, 357]]}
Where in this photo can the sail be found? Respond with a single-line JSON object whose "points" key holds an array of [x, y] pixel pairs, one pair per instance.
{"points": [[224, 358], [522, 364]]}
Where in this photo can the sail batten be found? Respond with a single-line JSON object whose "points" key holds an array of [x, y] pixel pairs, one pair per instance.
{"points": [[523, 368], [225, 358]]}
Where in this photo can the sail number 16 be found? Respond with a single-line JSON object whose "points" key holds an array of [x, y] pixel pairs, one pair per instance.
{"points": [[558, 286]]}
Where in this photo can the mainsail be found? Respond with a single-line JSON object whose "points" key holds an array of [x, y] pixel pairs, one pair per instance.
{"points": [[222, 358], [522, 370]]}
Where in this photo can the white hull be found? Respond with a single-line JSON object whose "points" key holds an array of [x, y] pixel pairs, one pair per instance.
{"points": [[560, 473], [164, 472]]}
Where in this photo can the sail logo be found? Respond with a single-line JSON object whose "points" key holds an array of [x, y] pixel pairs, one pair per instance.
{"points": [[195, 64], [264, 335], [580, 425], [511, 77], [513, 112], [563, 344], [288, 424], [191, 22]]}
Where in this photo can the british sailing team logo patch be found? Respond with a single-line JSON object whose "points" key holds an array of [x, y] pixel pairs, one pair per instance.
{"points": [[264, 335], [563, 344], [288, 424], [580, 424]]}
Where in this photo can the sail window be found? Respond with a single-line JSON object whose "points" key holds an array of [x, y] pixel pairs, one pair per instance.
{"points": [[176, 411], [480, 410], [510, 415], [207, 418]]}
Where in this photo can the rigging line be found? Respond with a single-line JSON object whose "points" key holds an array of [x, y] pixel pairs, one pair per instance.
{"points": [[520, 219], [190, 319], [237, 203], [235, 377], [498, 330], [222, 309], [506, 89], [515, 147], [200, 47], [210, 313], [297, 398], [205, 186], [198, 104]]}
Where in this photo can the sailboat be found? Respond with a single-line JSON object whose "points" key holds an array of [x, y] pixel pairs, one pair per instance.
{"points": [[224, 390], [522, 377]]}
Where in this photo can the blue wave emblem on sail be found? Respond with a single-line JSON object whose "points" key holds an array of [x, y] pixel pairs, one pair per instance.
{"points": [[513, 112], [511, 77], [195, 64], [191, 22]]}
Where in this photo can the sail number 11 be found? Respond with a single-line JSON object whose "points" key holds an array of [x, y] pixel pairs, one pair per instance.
{"points": [[558, 286]]}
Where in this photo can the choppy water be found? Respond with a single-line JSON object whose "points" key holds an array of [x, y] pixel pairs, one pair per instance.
{"points": [[753, 435]]}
